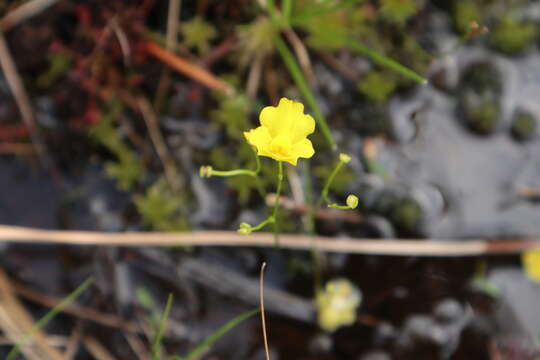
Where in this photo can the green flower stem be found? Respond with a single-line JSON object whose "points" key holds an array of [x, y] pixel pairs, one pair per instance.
{"points": [[276, 203], [233, 172], [341, 207], [269, 220], [298, 77], [352, 200], [324, 193]]}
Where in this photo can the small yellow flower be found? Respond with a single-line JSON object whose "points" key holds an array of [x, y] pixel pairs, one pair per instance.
{"points": [[283, 133], [531, 264], [337, 304]]}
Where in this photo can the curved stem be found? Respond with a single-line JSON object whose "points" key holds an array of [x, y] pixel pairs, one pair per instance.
{"points": [[324, 193]]}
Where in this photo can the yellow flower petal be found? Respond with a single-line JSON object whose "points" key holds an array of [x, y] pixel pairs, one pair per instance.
{"points": [[260, 138], [303, 149], [531, 264], [302, 127], [286, 128]]}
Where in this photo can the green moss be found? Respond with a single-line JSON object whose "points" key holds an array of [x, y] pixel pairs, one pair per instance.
{"points": [[483, 118], [197, 33], [127, 169], [512, 37], [59, 64], [398, 11], [465, 12], [523, 126], [233, 112], [256, 39], [377, 86], [160, 208], [407, 215]]}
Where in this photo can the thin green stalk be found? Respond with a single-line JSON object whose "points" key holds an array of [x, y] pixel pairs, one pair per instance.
{"points": [[236, 172], [383, 60], [48, 317], [276, 203], [298, 77], [268, 220], [209, 341], [156, 346], [324, 192], [286, 9], [272, 11]]}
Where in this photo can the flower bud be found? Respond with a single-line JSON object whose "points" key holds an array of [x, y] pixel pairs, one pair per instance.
{"points": [[352, 201], [244, 229], [344, 158], [205, 171]]}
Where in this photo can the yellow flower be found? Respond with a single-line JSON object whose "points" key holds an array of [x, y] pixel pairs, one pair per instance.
{"points": [[283, 132], [337, 304], [531, 264]]}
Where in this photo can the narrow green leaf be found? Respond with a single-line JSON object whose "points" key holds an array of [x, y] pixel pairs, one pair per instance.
{"points": [[209, 341], [156, 346], [301, 83], [384, 60], [49, 316]]}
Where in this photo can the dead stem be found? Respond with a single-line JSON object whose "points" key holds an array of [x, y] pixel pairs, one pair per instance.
{"points": [[16, 149], [98, 351], [23, 12], [254, 77], [393, 247], [171, 42], [81, 312], [16, 323], [302, 55], [171, 173], [21, 98], [263, 320], [193, 71]]}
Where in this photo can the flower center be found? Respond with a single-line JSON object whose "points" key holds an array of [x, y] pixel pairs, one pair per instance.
{"points": [[281, 145]]}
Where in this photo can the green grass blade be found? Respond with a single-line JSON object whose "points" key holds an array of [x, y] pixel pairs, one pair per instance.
{"points": [[301, 83], [320, 9], [209, 341], [383, 60], [156, 346], [49, 316]]}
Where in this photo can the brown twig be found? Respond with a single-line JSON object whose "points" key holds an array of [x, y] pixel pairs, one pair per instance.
{"points": [[21, 98], [17, 149], [346, 71], [395, 247], [171, 42], [17, 324], [263, 319], [301, 54], [194, 71], [23, 12], [171, 173], [219, 51], [81, 312], [254, 77], [98, 351]]}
